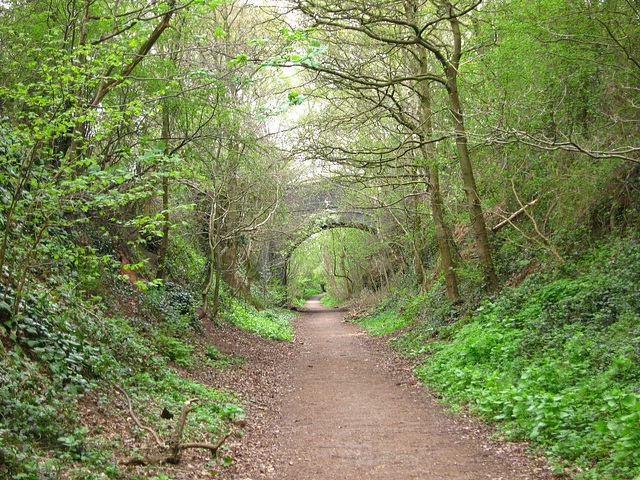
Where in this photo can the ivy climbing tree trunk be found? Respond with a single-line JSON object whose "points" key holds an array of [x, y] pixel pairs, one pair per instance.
{"points": [[162, 254]]}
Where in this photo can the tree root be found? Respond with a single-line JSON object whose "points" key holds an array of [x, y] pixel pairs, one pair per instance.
{"points": [[176, 445]]}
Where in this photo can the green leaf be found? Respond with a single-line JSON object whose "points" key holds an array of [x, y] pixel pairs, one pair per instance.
{"points": [[629, 400], [4, 306], [601, 426]]}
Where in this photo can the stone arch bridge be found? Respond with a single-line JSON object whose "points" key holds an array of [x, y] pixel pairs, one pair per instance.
{"points": [[312, 209]]}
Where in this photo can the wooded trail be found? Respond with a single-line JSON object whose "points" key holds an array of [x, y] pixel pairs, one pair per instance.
{"points": [[347, 415]]}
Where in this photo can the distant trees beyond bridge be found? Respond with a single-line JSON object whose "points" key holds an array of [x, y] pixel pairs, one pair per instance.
{"points": [[312, 209]]}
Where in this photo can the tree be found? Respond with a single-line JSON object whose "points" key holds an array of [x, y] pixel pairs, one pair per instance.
{"points": [[581, 63], [558, 111], [236, 172], [406, 25], [60, 64]]}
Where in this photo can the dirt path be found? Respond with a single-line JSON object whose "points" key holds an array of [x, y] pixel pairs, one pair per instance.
{"points": [[346, 411]]}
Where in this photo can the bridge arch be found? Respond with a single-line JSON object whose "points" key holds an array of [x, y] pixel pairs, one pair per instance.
{"points": [[317, 228]]}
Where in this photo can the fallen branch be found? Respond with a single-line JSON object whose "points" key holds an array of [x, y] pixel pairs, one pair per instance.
{"points": [[542, 241], [160, 443], [176, 445], [513, 216], [213, 448]]}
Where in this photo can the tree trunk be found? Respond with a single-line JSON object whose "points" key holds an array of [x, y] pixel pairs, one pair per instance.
{"points": [[415, 213], [216, 290], [443, 233], [347, 287], [162, 254], [329, 266], [473, 200], [214, 260]]}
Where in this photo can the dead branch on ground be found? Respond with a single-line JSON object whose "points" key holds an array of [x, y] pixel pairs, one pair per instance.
{"points": [[176, 445]]}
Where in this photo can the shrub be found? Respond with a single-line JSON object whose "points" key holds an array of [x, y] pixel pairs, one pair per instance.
{"points": [[175, 350], [172, 306]]}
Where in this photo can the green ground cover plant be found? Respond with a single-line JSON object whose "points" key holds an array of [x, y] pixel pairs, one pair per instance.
{"points": [[330, 301], [402, 308], [68, 349], [219, 359], [555, 361], [390, 316], [272, 324]]}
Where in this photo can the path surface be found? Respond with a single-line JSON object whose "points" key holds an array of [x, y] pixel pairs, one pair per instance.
{"points": [[346, 416]]}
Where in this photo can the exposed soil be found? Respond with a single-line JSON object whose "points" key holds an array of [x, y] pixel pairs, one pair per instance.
{"points": [[336, 404]]}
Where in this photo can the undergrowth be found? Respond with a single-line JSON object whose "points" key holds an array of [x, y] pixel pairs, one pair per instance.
{"points": [[330, 301], [271, 323], [62, 350], [399, 310], [554, 361]]}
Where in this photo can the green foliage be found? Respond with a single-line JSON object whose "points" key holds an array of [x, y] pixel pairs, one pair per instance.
{"points": [[185, 262], [311, 291], [81, 163], [34, 410], [172, 306], [268, 291], [43, 204], [390, 315], [47, 332], [219, 359], [62, 353], [39, 416], [555, 361], [344, 254], [330, 301], [299, 302], [175, 350], [272, 324], [173, 390], [425, 314]]}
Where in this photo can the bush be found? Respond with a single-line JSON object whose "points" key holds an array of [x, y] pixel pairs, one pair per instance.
{"points": [[185, 263], [33, 411], [175, 350], [172, 306], [424, 312], [329, 301], [312, 291]]}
